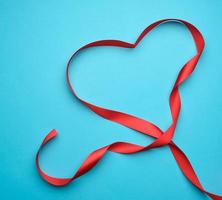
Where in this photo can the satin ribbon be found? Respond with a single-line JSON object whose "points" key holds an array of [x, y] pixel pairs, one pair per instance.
{"points": [[162, 138]]}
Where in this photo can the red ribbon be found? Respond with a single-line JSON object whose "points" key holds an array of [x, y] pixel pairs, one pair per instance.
{"points": [[162, 138]]}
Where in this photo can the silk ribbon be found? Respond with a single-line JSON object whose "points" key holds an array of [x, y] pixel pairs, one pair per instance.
{"points": [[162, 138]]}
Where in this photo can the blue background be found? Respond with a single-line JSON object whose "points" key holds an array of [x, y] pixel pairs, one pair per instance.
{"points": [[36, 40]]}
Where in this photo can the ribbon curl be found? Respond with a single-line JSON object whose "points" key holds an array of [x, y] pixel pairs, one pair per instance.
{"points": [[162, 138]]}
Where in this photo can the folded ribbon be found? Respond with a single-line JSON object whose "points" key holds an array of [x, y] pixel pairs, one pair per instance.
{"points": [[162, 138]]}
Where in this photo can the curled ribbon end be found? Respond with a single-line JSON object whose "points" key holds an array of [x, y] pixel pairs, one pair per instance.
{"points": [[50, 179], [53, 133]]}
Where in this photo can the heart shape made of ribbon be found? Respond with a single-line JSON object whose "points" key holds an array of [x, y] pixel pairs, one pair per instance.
{"points": [[162, 138]]}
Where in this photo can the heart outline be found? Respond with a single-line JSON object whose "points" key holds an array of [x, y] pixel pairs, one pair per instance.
{"points": [[130, 121]]}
